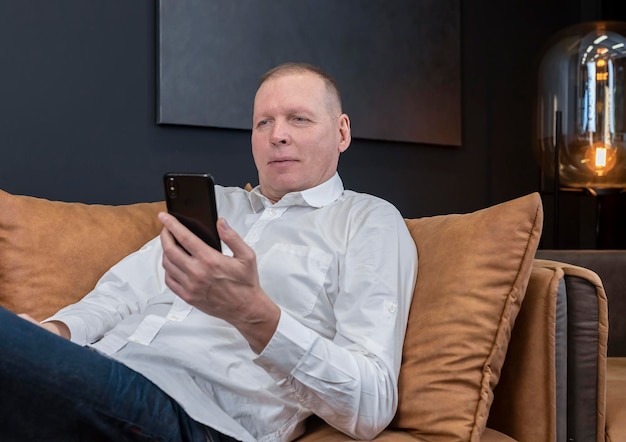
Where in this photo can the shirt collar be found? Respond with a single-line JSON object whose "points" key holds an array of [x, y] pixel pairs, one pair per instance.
{"points": [[317, 196]]}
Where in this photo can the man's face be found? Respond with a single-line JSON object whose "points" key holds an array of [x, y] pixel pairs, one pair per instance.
{"points": [[297, 134]]}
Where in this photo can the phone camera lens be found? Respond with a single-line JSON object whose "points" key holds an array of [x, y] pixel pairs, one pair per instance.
{"points": [[171, 188]]}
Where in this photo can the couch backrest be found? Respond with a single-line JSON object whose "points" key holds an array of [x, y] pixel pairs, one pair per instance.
{"points": [[473, 272], [52, 253]]}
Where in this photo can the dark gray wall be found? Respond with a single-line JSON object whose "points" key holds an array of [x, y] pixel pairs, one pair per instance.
{"points": [[77, 111], [392, 66]]}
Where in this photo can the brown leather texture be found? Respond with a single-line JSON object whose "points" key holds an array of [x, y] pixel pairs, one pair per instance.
{"points": [[528, 377], [610, 266], [616, 399], [588, 324], [320, 432], [473, 273], [52, 253]]}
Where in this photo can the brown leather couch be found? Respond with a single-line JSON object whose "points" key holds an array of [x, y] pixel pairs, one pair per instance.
{"points": [[610, 266], [500, 346]]}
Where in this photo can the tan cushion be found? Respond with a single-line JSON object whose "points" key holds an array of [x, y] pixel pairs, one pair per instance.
{"points": [[616, 399], [326, 433], [529, 387], [52, 253], [322, 432], [473, 273]]}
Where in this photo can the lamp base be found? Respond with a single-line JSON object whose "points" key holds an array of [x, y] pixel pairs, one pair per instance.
{"points": [[582, 219]]}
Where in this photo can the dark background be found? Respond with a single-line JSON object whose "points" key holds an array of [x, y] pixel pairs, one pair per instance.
{"points": [[78, 112], [399, 73]]}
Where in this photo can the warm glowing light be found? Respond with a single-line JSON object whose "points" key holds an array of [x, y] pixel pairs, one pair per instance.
{"points": [[600, 157], [580, 115]]}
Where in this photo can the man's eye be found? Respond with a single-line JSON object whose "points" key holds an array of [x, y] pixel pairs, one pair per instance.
{"points": [[262, 123]]}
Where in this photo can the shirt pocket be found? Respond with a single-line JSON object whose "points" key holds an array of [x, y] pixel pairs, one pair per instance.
{"points": [[166, 298], [293, 276]]}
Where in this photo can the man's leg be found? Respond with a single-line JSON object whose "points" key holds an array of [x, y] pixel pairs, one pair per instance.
{"points": [[54, 390]]}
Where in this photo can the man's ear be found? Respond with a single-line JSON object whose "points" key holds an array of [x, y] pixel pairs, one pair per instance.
{"points": [[344, 132]]}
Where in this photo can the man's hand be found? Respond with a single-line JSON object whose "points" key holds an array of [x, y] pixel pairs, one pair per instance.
{"points": [[56, 327], [218, 285]]}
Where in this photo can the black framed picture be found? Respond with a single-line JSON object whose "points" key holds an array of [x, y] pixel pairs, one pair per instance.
{"points": [[397, 62]]}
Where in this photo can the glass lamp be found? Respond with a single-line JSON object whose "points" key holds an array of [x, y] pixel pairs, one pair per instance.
{"points": [[580, 125]]}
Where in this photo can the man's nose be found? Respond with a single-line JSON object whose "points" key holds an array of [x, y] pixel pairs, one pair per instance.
{"points": [[279, 134]]}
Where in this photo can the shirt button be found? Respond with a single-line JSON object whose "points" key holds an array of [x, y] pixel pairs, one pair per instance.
{"points": [[391, 308]]}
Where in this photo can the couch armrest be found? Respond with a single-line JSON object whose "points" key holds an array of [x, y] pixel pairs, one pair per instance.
{"points": [[615, 399], [553, 381], [610, 266], [529, 401]]}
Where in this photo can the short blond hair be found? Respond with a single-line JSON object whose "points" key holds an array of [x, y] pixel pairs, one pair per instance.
{"points": [[300, 68]]}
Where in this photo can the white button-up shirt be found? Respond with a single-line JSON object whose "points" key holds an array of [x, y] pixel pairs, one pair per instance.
{"points": [[341, 265]]}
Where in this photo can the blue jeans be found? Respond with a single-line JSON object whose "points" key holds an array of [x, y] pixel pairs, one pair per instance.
{"points": [[54, 390]]}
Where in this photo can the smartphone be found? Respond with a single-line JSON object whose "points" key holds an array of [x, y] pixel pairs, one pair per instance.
{"points": [[190, 197]]}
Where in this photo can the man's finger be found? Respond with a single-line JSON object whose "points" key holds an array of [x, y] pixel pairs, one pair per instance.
{"points": [[232, 239], [185, 237]]}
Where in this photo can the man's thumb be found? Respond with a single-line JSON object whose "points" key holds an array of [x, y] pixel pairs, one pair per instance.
{"points": [[230, 237]]}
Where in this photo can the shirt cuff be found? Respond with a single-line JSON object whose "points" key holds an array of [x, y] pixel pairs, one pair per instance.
{"points": [[78, 332], [291, 342]]}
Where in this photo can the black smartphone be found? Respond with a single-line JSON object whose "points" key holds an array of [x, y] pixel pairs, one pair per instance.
{"points": [[190, 197]]}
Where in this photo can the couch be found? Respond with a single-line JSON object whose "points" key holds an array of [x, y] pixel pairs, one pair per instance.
{"points": [[610, 266], [498, 342]]}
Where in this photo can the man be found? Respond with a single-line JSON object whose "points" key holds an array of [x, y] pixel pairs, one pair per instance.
{"points": [[304, 312]]}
